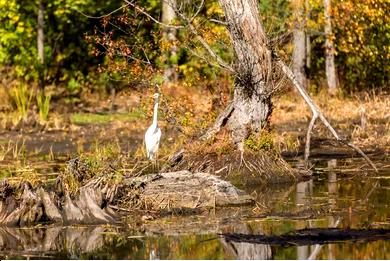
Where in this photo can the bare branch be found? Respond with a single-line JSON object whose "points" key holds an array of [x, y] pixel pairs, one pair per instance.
{"points": [[208, 61], [136, 7], [206, 45], [211, 51], [218, 21], [317, 113], [197, 11], [102, 16]]}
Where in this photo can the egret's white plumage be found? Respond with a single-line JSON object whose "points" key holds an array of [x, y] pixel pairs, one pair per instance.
{"points": [[153, 134]]}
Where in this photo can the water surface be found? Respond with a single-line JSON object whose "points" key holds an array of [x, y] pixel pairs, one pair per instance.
{"points": [[339, 195]]}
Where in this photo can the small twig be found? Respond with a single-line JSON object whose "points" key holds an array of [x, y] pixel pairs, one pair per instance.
{"points": [[197, 201], [246, 165], [102, 16], [220, 170], [118, 208], [218, 22], [371, 191], [140, 172], [197, 11], [207, 60], [136, 7], [208, 48]]}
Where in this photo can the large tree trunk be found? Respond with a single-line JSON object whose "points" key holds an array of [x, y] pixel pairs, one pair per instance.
{"points": [[168, 16], [329, 50], [299, 39], [251, 102], [40, 44]]}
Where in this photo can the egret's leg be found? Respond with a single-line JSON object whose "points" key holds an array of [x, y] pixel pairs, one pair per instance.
{"points": [[153, 164], [157, 166]]}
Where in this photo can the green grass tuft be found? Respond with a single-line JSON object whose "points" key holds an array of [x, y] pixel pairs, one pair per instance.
{"points": [[262, 142]]}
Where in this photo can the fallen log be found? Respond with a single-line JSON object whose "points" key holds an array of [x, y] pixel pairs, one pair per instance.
{"points": [[98, 199], [312, 236], [183, 189]]}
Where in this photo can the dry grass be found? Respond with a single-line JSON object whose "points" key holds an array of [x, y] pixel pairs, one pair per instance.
{"points": [[219, 156], [185, 112], [364, 118]]}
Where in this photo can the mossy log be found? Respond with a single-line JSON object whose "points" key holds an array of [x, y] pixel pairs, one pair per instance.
{"points": [[184, 189], [98, 200]]}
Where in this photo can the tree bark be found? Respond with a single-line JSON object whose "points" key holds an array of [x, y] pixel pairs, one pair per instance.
{"points": [[308, 41], [252, 101], [299, 40], [169, 35], [330, 67], [41, 44]]}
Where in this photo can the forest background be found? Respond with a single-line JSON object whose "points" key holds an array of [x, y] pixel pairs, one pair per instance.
{"points": [[57, 56]]}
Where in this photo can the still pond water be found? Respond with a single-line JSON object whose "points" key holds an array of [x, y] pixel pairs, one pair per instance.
{"points": [[336, 196]]}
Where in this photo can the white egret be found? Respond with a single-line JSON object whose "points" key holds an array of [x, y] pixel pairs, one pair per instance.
{"points": [[153, 134]]}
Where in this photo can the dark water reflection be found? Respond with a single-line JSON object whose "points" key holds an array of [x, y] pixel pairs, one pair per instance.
{"points": [[330, 199]]}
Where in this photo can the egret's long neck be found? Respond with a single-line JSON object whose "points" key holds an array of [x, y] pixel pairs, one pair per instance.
{"points": [[155, 112]]}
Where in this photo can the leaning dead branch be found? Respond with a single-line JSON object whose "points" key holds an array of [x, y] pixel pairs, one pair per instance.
{"points": [[315, 110], [317, 114]]}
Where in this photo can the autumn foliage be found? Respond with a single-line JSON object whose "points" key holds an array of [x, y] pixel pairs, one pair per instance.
{"points": [[127, 47]]}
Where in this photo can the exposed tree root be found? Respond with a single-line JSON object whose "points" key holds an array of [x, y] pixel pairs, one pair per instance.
{"points": [[242, 168], [22, 205], [27, 205]]}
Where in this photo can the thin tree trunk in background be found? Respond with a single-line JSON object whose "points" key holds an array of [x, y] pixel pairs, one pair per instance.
{"points": [[330, 67], [299, 39], [168, 16], [308, 43], [252, 101], [41, 44]]}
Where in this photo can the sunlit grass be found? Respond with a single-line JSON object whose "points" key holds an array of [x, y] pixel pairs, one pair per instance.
{"points": [[21, 98], [291, 118], [94, 118], [43, 102]]}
